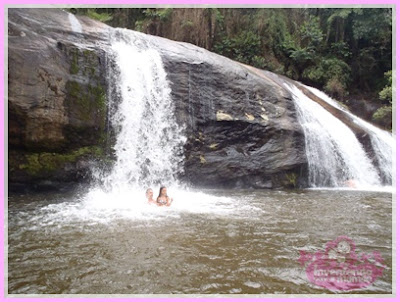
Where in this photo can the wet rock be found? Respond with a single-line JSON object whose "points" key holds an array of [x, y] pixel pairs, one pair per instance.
{"points": [[241, 126], [240, 123], [56, 92]]}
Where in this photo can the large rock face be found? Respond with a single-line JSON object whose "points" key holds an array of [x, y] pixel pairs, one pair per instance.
{"points": [[240, 122], [56, 96]]}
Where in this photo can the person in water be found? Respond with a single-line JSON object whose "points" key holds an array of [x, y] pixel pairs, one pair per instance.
{"points": [[149, 196], [350, 183], [163, 199]]}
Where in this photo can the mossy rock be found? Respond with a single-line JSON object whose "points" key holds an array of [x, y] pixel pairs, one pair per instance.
{"points": [[87, 109], [46, 165], [86, 102]]}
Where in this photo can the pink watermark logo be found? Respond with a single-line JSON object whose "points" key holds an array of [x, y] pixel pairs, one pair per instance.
{"points": [[340, 268]]}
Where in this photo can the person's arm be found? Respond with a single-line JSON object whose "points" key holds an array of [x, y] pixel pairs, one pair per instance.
{"points": [[169, 201], [158, 203]]}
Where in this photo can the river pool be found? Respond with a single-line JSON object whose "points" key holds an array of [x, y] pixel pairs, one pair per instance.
{"points": [[209, 242]]}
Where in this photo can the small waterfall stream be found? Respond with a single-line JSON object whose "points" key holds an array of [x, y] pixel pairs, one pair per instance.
{"points": [[335, 157], [382, 142], [75, 24]]}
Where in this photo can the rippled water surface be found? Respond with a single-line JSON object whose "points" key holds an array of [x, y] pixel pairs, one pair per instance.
{"points": [[215, 242]]}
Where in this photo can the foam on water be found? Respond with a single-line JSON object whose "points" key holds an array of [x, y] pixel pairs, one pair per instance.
{"points": [[99, 206], [385, 189]]}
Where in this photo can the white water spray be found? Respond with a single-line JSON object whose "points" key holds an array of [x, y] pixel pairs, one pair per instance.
{"points": [[335, 156], [149, 142], [148, 139]]}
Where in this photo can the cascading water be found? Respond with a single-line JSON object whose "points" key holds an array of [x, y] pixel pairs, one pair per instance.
{"points": [[149, 143], [110, 241], [148, 139], [383, 144], [335, 156], [75, 24]]}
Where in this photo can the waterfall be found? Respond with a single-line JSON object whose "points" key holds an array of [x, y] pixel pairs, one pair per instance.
{"points": [[75, 24], [383, 144], [149, 143], [148, 148], [148, 138], [335, 156]]}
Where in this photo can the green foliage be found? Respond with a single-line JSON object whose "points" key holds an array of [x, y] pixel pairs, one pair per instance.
{"points": [[288, 44], [332, 73], [259, 62], [343, 50], [102, 17], [302, 49], [371, 24], [383, 115], [305, 49], [139, 25], [41, 164], [245, 48], [371, 31], [302, 56], [335, 87], [354, 54], [292, 179], [271, 25], [311, 34], [341, 13], [187, 23], [386, 93], [340, 50], [219, 18], [93, 13], [337, 23], [163, 14]]}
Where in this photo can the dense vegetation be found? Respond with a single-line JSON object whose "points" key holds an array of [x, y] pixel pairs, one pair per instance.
{"points": [[346, 52]]}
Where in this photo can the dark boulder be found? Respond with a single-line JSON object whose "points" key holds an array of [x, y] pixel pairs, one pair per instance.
{"points": [[240, 123]]}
